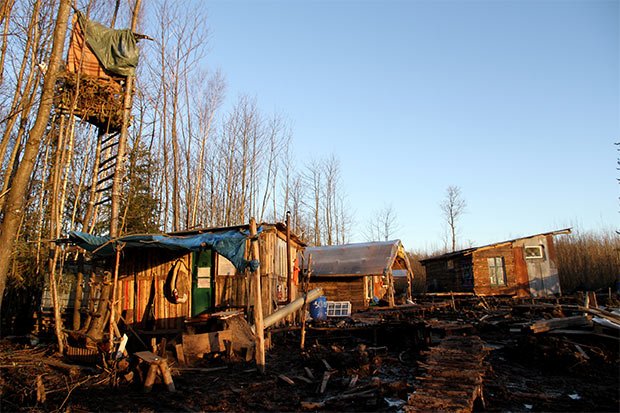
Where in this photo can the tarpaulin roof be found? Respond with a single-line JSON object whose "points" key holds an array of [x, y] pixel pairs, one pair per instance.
{"points": [[116, 50], [230, 244]]}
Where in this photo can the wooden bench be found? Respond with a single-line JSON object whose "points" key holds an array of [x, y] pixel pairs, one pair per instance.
{"points": [[156, 363]]}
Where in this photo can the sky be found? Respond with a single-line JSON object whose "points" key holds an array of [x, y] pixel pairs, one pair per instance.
{"points": [[515, 102]]}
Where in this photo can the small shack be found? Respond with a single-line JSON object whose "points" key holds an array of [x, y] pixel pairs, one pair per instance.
{"points": [[520, 267], [361, 273], [166, 279]]}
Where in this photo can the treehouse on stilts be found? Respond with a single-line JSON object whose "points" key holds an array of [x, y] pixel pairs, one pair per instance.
{"points": [[96, 85]]}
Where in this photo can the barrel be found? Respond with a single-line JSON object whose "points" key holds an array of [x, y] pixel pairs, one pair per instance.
{"points": [[318, 308]]}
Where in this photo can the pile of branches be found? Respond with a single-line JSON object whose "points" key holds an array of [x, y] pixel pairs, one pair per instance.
{"points": [[99, 101]]}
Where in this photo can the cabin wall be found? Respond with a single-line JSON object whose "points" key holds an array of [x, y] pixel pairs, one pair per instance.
{"points": [[342, 289], [542, 272], [482, 279], [450, 275], [231, 287], [141, 299]]}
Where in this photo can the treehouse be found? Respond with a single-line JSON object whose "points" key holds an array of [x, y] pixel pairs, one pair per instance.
{"points": [[91, 85]]}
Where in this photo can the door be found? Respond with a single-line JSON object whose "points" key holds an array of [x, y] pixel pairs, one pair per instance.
{"points": [[202, 282]]}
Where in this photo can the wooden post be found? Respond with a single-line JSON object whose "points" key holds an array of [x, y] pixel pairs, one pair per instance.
{"points": [[289, 275], [119, 247], [258, 304], [305, 307], [77, 302], [391, 300]]}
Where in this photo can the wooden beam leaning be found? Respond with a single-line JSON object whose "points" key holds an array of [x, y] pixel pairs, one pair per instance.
{"points": [[258, 305]]}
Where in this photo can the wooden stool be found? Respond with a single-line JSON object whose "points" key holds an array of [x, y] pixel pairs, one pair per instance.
{"points": [[156, 363]]}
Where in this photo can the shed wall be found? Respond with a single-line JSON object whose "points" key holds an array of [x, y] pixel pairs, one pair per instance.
{"points": [[343, 289], [482, 280]]}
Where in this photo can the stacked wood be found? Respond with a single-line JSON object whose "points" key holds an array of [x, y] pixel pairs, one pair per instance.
{"points": [[542, 326], [453, 380]]}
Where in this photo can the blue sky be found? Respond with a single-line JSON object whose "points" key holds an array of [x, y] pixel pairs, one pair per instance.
{"points": [[515, 102]]}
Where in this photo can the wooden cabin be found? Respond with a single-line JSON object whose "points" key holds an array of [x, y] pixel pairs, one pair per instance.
{"points": [[362, 273], [166, 279], [520, 267]]}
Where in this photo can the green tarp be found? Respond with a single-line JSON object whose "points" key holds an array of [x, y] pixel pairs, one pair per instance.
{"points": [[116, 50], [230, 244]]}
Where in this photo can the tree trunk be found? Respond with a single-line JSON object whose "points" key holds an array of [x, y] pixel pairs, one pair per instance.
{"points": [[117, 181], [14, 207]]}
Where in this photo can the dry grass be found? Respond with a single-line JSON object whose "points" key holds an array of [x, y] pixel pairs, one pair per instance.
{"points": [[588, 260]]}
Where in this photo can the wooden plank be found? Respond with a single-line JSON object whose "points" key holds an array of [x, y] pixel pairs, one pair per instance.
{"points": [[149, 357], [199, 344]]}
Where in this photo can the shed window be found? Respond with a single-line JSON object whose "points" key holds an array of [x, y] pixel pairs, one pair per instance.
{"points": [[497, 272], [534, 252]]}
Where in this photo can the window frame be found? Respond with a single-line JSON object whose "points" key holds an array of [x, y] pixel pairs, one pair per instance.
{"points": [[532, 247], [497, 265]]}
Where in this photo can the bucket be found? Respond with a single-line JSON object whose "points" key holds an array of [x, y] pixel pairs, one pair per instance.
{"points": [[318, 308]]}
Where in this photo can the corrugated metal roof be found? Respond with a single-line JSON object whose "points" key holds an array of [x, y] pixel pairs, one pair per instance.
{"points": [[352, 259], [495, 244]]}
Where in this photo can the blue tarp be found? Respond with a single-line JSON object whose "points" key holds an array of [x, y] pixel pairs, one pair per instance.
{"points": [[230, 244]]}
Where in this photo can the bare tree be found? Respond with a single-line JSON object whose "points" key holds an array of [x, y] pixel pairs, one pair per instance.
{"points": [[13, 209], [383, 224], [453, 207]]}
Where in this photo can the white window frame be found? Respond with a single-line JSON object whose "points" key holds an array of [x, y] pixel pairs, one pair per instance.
{"points": [[532, 247]]}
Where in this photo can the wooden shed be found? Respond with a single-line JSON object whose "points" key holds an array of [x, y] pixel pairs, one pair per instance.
{"points": [[519, 267], [361, 273], [166, 279]]}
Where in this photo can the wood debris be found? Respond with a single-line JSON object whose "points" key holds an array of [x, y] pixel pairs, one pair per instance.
{"points": [[453, 379]]}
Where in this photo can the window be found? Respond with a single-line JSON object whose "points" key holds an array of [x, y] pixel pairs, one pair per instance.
{"points": [[532, 253], [497, 272]]}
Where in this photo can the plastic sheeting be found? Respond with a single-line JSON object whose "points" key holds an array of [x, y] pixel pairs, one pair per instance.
{"points": [[230, 244], [116, 50]]}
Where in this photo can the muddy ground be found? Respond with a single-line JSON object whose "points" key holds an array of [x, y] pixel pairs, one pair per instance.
{"points": [[371, 368]]}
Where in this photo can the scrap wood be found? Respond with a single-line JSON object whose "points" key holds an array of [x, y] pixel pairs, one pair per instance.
{"points": [[304, 379], [453, 378], [201, 369], [286, 379], [313, 405], [309, 373], [327, 366], [542, 326], [326, 377]]}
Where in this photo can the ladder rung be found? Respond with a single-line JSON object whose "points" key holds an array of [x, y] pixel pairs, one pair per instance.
{"points": [[110, 166], [104, 189], [107, 160], [107, 178], [110, 137], [113, 144], [103, 201]]}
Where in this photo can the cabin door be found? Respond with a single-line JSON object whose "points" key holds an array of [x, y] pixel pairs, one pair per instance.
{"points": [[202, 282]]}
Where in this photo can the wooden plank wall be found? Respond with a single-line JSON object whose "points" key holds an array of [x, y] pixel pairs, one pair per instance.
{"points": [[140, 291], [482, 281], [440, 278], [231, 289], [342, 289]]}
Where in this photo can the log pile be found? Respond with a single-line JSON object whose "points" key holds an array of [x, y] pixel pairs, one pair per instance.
{"points": [[453, 380]]}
